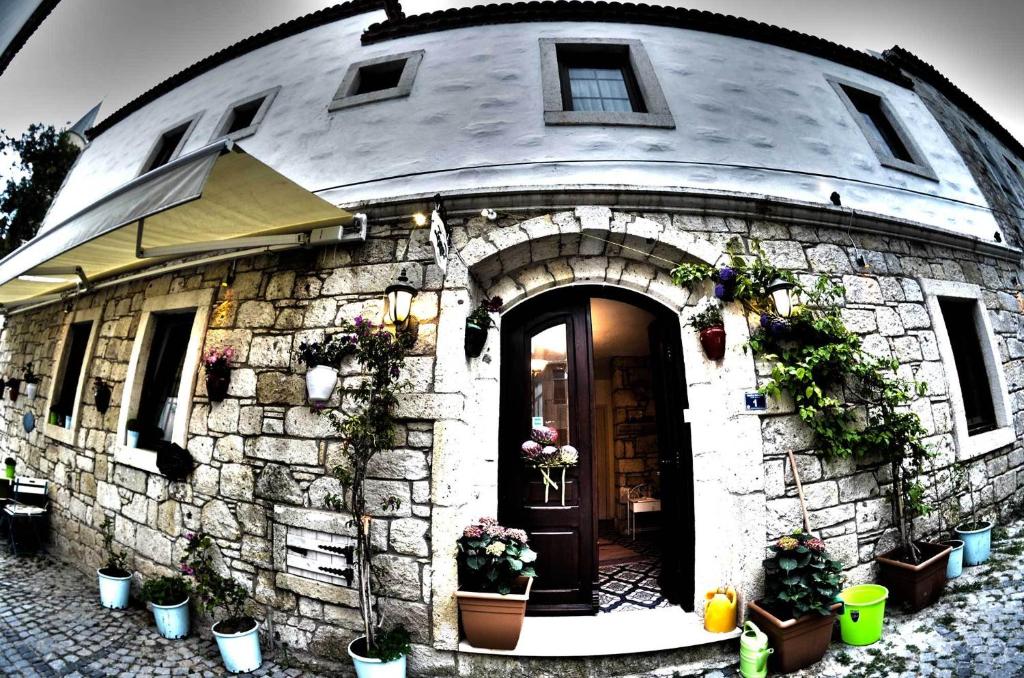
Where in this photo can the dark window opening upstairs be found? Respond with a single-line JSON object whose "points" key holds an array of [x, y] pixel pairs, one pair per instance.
{"points": [[243, 115], [166, 359], [167, 146], [378, 77], [877, 123], [74, 357], [598, 78], [959, 318]]}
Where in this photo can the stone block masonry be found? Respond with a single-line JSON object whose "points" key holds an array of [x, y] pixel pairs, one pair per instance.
{"points": [[261, 453]]}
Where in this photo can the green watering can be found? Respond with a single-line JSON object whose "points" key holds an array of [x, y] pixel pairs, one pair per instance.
{"points": [[754, 652]]}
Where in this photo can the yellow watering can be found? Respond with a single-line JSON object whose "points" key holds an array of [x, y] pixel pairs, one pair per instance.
{"points": [[720, 610]]}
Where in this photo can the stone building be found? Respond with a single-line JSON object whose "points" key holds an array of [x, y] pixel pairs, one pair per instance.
{"points": [[580, 152]]}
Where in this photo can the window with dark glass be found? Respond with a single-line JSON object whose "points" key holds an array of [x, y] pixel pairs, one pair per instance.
{"points": [[158, 402], [959, 318], [378, 77], [71, 369], [598, 78], [877, 124], [167, 146], [243, 115]]}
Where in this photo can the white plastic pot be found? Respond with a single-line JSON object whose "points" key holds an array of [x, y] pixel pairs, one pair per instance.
{"points": [[320, 382], [114, 591], [240, 651], [31, 390], [375, 668], [171, 620]]}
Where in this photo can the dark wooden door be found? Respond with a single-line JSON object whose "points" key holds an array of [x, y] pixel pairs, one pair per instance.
{"points": [[546, 376], [675, 463]]}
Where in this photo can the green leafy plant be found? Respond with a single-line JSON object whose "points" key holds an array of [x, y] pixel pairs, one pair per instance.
{"points": [[44, 156], [166, 590], [212, 589], [853, 401], [492, 557], [117, 561], [365, 430], [710, 317], [481, 315], [391, 644], [800, 577], [328, 352]]}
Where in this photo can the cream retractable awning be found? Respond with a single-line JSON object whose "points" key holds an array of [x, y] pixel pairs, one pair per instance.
{"points": [[216, 193]]}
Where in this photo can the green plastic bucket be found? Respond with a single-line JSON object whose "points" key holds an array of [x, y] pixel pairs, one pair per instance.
{"points": [[860, 622]]}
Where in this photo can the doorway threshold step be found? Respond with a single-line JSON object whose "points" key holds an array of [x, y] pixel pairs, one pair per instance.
{"points": [[610, 633]]}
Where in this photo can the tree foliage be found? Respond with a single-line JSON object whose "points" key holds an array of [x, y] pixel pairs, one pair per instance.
{"points": [[43, 157]]}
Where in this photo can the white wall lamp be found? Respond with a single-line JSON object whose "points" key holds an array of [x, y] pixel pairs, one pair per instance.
{"points": [[781, 292], [398, 298]]}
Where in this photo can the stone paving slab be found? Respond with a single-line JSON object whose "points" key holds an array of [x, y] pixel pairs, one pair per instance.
{"points": [[52, 624]]}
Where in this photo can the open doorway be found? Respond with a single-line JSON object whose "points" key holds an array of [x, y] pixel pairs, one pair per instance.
{"points": [[603, 367]]}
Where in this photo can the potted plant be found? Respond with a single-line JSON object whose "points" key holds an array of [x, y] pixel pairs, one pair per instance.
{"points": [[708, 321], [9, 470], [478, 323], [115, 579], [168, 598], [321, 359], [237, 634], [949, 514], [977, 534], [13, 384], [101, 395], [218, 373], [134, 426], [799, 606], [496, 574], [365, 430], [31, 380]]}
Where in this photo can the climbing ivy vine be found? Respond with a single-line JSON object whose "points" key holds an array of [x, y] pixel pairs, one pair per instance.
{"points": [[854, 402]]}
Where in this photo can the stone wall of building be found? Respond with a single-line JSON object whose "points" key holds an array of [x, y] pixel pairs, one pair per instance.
{"points": [[263, 458], [634, 432]]}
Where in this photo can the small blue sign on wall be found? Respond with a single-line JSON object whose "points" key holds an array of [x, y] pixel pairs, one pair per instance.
{"points": [[756, 402]]}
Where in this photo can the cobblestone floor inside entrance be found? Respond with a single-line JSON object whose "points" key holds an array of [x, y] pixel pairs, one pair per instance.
{"points": [[51, 624]]}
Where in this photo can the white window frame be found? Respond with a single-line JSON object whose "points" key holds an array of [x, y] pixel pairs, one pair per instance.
{"points": [[267, 96], [67, 435], [346, 97], [199, 300], [970, 446]]}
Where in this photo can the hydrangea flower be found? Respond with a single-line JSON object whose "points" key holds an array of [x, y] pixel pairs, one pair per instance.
{"points": [[495, 548], [726, 274], [545, 435], [788, 543], [815, 545], [517, 535], [473, 532]]}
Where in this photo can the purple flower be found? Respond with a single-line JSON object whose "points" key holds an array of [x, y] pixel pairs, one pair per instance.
{"points": [[725, 274], [395, 371], [766, 320], [473, 532], [545, 435], [185, 569], [517, 535], [720, 291]]}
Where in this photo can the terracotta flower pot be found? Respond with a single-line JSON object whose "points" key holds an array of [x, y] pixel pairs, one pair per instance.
{"points": [[491, 620], [916, 586], [476, 337], [712, 340], [798, 643], [217, 385]]}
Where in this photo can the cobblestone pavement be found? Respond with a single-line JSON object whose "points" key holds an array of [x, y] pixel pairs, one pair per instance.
{"points": [[52, 624], [975, 629]]}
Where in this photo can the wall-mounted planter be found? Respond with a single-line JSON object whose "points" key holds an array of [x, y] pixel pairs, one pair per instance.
{"points": [[217, 385], [712, 340], [14, 385], [476, 337], [101, 396], [320, 382], [977, 542], [31, 389], [916, 586]]}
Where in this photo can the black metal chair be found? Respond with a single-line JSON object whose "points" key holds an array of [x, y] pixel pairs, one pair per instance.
{"points": [[27, 513]]}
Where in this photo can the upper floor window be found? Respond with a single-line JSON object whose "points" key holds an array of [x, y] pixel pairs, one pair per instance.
{"points": [[69, 376], [884, 132], [168, 146], [243, 117], [386, 77], [601, 82], [982, 419]]}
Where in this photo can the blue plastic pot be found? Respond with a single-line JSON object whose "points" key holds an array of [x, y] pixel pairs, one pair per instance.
{"points": [[240, 651], [133, 438], [977, 543], [955, 564], [171, 620]]}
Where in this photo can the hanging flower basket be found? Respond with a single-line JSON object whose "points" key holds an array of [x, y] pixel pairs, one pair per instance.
{"points": [[218, 373], [712, 340], [476, 337], [101, 395], [478, 323]]}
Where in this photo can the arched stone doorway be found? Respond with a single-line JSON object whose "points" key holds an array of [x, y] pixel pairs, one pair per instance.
{"points": [[591, 246]]}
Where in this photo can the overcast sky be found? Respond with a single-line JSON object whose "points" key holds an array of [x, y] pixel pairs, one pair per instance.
{"points": [[114, 50]]}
